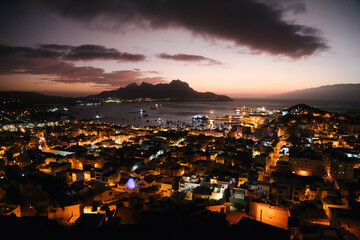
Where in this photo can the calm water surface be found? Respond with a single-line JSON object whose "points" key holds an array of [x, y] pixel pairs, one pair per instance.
{"points": [[183, 111]]}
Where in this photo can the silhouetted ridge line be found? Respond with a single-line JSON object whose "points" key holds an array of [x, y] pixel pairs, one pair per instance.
{"points": [[175, 90]]}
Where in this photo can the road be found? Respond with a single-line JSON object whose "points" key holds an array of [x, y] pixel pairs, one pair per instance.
{"points": [[275, 155]]}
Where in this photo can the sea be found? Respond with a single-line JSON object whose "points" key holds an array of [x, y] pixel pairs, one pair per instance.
{"points": [[156, 113]]}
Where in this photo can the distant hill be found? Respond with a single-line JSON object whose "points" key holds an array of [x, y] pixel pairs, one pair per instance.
{"points": [[175, 90], [337, 92], [11, 99], [298, 108]]}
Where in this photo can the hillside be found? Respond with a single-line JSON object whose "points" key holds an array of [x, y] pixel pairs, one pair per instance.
{"points": [[11, 99], [337, 92]]}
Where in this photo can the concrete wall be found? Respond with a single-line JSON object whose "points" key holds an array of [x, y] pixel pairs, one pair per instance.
{"points": [[273, 215]]}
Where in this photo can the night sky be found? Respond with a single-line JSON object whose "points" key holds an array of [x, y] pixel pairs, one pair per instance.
{"points": [[241, 48]]}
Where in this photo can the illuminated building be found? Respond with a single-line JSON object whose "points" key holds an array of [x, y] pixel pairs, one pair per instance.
{"points": [[146, 182], [80, 176], [203, 161], [190, 181], [108, 176], [338, 165], [262, 189], [266, 213], [307, 165], [66, 215], [127, 184], [217, 207], [296, 188]]}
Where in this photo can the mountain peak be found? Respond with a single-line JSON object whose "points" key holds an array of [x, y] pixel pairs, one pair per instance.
{"points": [[179, 82], [145, 84], [131, 85]]}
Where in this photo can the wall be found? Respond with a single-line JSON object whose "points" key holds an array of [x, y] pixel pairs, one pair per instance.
{"points": [[108, 195], [65, 215], [273, 215], [221, 208]]}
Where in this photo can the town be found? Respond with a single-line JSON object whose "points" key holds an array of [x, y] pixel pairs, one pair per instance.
{"points": [[293, 173]]}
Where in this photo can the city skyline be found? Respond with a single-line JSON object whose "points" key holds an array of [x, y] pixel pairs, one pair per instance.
{"points": [[247, 48]]}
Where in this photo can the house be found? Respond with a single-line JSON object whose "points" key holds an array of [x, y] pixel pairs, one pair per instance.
{"points": [[108, 176], [218, 206], [269, 214], [78, 175], [292, 187], [202, 192], [166, 187], [65, 215], [101, 193], [127, 184], [306, 164], [146, 182], [190, 181], [217, 190], [171, 169], [238, 198], [200, 155], [338, 165], [260, 188], [210, 191], [242, 178]]}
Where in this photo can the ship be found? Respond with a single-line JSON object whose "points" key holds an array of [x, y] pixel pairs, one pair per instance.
{"points": [[98, 116], [156, 106]]}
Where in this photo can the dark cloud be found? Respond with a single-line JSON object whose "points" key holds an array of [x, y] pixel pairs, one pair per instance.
{"points": [[56, 47], [48, 60], [293, 6], [27, 52], [112, 79], [71, 53], [90, 52], [254, 24], [188, 58]]}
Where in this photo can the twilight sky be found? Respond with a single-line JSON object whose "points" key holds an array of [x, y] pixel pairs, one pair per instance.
{"points": [[244, 48]]}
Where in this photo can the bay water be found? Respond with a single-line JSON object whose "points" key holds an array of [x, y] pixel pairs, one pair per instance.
{"points": [[160, 112]]}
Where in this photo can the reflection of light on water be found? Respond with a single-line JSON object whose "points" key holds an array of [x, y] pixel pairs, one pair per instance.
{"points": [[211, 124], [128, 113]]}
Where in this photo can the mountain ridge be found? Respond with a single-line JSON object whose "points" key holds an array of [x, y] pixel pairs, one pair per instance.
{"points": [[175, 90], [348, 92]]}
